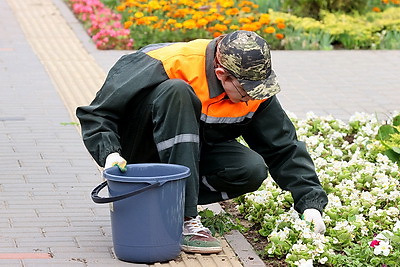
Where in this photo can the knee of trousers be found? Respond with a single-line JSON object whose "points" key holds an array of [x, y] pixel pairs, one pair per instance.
{"points": [[255, 174], [178, 91]]}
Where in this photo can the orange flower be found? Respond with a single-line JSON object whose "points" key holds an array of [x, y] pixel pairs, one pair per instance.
{"points": [[121, 7], [127, 24], [385, 1], [246, 9], [269, 29], [250, 27], [216, 34], [376, 9], [264, 21], [232, 11], [279, 36], [281, 26], [220, 27], [227, 21]]}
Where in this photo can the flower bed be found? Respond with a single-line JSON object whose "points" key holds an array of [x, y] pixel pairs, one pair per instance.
{"points": [[102, 24], [363, 187], [128, 24]]}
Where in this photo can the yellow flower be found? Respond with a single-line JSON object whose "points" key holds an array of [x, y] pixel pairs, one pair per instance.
{"points": [[139, 15], [154, 5], [189, 24], [264, 20], [226, 3], [279, 20], [171, 21], [202, 22], [178, 25], [244, 20], [234, 27]]}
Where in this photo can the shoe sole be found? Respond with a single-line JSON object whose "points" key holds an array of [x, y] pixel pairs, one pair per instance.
{"points": [[205, 250]]}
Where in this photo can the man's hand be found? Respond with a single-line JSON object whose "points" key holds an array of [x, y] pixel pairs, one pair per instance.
{"points": [[314, 216], [114, 159]]}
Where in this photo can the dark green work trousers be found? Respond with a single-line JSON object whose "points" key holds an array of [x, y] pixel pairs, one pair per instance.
{"points": [[162, 124]]}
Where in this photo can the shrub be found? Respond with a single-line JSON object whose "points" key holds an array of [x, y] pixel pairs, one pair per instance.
{"points": [[312, 8]]}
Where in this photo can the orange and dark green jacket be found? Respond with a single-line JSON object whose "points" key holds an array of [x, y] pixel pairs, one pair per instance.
{"points": [[192, 62], [263, 124]]}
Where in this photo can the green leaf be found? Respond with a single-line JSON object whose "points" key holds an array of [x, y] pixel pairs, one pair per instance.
{"points": [[395, 157], [385, 131], [396, 149], [396, 120]]}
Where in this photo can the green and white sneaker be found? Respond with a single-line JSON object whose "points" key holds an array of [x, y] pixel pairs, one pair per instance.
{"points": [[198, 239]]}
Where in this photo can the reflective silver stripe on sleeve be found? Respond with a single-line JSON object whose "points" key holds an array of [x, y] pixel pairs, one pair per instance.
{"points": [[224, 196], [205, 182], [209, 119], [182, 138]]}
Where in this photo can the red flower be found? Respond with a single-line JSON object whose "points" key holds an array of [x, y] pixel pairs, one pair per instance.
{"points": [[374, 243]]}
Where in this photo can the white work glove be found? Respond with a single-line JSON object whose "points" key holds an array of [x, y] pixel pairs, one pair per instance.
{"points": [[114, 159], [314, 216]]}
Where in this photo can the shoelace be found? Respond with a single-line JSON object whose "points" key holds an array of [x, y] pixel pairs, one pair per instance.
{"points": [[194, 226]]}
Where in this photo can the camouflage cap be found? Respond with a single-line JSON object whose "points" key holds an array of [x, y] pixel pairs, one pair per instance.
{"points": [[247, 56]]}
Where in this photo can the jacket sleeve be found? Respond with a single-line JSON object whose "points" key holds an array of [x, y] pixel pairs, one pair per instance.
{"points": [[272, 134], [99, 121]]}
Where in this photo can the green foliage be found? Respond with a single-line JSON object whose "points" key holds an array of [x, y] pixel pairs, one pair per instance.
{"points": [[312, 8], [389, 136], [219, 223], [369, 31]]}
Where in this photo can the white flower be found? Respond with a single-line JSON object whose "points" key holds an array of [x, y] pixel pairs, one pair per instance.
{"points": [[396, 226], [383, 248], [383, 236], [310, 115], [323, 260], [304, 263], [334, 201]]}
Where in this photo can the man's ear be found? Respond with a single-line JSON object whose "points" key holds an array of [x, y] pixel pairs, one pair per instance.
{"points": [[220, 73]]}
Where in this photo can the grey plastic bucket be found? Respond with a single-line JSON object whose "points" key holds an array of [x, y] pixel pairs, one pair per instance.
{"points": [[146, 206]]}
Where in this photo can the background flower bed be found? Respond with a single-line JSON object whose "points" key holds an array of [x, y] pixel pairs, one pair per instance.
{"points": [[127, 24], [363, 187]]}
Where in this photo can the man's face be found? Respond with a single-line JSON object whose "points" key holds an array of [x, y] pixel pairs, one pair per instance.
{"points": [[232, 87]]}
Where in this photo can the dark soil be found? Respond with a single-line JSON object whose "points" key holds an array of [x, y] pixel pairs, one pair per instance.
{"points": [[252, 236]]}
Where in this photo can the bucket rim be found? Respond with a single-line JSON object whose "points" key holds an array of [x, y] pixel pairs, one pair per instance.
{"points": [[114, 174]]}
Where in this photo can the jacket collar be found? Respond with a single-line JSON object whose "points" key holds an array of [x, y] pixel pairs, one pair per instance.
{"points": [[214, 85]]}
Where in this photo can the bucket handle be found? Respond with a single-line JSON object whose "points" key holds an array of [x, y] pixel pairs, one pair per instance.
{"points": [[97, 199]]}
